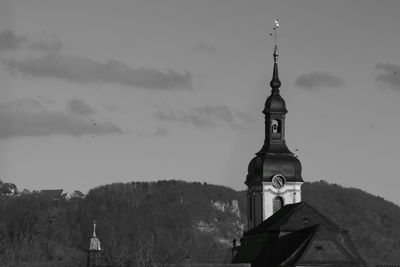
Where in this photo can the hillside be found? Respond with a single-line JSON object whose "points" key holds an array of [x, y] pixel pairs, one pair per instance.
{"points": [[166, 221], [372, 221]]}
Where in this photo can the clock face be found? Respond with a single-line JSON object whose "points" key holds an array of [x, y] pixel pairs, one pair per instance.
{"points": [[278, 181]]}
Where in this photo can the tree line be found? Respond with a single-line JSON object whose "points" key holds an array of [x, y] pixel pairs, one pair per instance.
{"points": [[156, 223]]}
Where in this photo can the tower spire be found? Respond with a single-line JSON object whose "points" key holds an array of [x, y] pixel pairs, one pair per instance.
{"points": [[95, 255], [94, 241], [275, 82], [94, 228]]}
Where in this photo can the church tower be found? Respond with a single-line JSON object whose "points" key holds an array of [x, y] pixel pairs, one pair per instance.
{"points": [[94, 256], [274, 175], [283, 231]]}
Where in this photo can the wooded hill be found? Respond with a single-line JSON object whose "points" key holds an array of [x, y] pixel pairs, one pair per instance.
{"points": [[161, 222]]}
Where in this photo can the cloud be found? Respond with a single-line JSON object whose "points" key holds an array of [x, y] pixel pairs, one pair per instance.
{"points": [[50, 46], [207, 116], [158, 132], [204, 48], [85, 70], [79, 107], [10, 41], [53, 64], [317, 80], [389, 76], [29, 117]]}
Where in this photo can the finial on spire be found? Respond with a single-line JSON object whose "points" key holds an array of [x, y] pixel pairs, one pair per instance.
{"points": [[94, 228]]}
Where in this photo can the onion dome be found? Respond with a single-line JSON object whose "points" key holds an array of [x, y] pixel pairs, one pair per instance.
{"points": [[264, 167], [275, 102]]}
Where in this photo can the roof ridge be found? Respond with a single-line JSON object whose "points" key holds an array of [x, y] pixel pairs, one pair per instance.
{"points": [[353, 254], [275, 220], [327, 219], [341, 247], [300, 205], [303, 246]]}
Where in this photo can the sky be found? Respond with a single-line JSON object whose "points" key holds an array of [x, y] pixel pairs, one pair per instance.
{"points": [[96, 91]]}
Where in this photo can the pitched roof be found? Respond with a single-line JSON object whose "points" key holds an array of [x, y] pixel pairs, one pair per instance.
{"points": [[273, 249], [293, 217], [324, 247], [297, 234]]}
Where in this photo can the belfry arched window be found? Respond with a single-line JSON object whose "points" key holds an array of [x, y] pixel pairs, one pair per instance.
{"points": [[277, 204], [275, 126]]}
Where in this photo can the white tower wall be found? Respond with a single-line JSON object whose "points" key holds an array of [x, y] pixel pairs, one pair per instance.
{"points": [[290, 193]]}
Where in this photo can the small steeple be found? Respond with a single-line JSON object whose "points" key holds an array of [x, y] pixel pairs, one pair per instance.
{"points": [[94, 241]]}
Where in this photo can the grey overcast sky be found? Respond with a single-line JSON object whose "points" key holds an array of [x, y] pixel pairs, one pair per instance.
{"points": [[100, 91]]}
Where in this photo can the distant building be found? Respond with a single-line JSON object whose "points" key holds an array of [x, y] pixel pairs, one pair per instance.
{"points": [[282, 230], [75, 194], [94, 241], [95, 256], [8, 189]]}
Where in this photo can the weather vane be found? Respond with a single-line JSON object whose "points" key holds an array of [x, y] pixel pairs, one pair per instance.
{"points": [[274, 35]]}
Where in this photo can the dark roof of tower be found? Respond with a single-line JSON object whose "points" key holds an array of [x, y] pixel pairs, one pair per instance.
{"points": [[274, 157], [265, 165], [297, 234], [275, 102]]}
